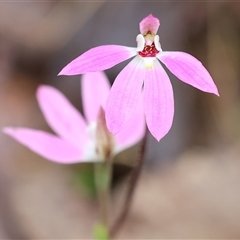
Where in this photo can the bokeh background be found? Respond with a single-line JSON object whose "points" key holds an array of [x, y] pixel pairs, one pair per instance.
{"points": [[190, 186]]}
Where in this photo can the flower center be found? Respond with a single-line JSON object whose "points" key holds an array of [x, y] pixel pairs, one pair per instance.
{"points": [[149, 51]]}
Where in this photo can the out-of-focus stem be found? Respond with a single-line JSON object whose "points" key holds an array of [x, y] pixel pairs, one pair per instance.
{"points": [[134, 177], [103, 175]]}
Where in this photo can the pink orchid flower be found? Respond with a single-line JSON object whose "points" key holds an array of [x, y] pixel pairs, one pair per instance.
{"points": [[78, 140], [143, 73]]}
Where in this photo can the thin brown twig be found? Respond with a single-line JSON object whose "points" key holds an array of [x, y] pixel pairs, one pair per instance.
{"points": [[135, 174]]}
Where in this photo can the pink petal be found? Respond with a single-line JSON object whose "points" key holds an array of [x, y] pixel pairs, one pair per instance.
{"points": [[134, 130], [149, 23], [62, 117], [190, 70], [95, 90], [98, 59], [46, 145], [158, 101], [124, 95]]}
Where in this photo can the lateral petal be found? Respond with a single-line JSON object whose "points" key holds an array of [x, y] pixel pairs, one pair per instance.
{"points": [[61, 115], [188, 69], [95, 89], [47, 145], [124, 95], [98, 59], [158, 101]]}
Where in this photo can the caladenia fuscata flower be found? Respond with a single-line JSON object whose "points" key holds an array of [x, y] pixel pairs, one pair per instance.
{"points": [[143, 74], [79, 139]]}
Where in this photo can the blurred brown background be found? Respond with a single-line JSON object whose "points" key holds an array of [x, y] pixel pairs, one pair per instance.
{"points": [[191, 184]]}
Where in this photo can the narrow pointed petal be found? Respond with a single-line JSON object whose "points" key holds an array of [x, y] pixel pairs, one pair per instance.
{"points": [[95, 89], [62, 117], [190, 70], [124, 95], [149, 23], [47, 145], [158, 101], [98, 59], [134, 130]]}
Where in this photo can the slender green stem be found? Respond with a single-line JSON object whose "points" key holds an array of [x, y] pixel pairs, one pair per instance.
{"points": [[103, 175]]}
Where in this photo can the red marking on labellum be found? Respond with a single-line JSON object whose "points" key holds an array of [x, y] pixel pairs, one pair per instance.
{"points": [[149, 51]]}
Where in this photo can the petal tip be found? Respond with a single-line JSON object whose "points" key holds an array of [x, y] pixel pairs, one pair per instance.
{"points": [[158, 135], [68, 70], [213, 90], [42, 87], [8, 130], [111, 127], [217, 93], [64, 71], [42, 90]]}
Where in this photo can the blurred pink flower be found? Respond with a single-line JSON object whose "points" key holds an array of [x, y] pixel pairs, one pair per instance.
{"points": [[143, 72], [78, 140]]}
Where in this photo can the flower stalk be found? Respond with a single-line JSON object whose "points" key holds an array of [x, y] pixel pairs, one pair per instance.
{"points": [[103, 177], [134, 177]]}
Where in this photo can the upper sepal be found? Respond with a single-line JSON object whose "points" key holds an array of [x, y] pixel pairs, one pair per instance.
{"points": [[149, 23]]}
